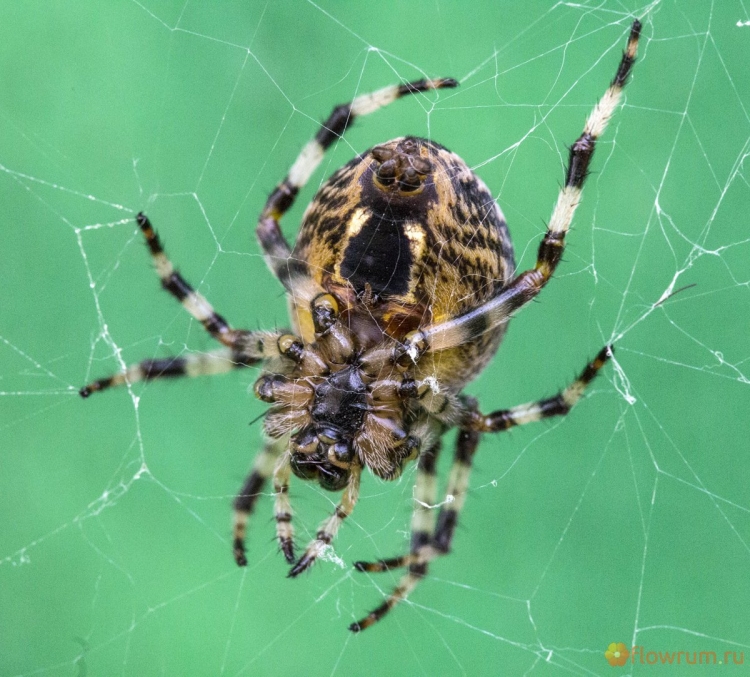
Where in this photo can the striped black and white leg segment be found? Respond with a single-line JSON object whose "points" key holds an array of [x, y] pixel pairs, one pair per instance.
{"points": [[244, 503], [292, 273], [440, 541], [243, 348], [430, 540], [194, 302], [330, 527], [195, 364], [250, 349], [529, 283], [559, 405], [422, 519], [283, 507]]}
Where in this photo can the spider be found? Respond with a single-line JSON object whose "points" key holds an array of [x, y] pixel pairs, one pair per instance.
{"points": [[400, 288]]}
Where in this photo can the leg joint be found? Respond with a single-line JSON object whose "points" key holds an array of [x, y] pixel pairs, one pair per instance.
{"points": [[580, 157], [335, 126]]}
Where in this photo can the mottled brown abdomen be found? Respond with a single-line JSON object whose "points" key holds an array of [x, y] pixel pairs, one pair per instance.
{"points": [[407, 235]]}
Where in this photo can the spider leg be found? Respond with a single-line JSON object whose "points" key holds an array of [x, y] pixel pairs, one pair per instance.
{"points": [[559, 405], [440, 541], [430, 541], [329, 527], [194, 302], [196, 364], [528, 284], [249, 349], [243, 348], [252, 488], [293, 274], [422, 519], [283, 507]]}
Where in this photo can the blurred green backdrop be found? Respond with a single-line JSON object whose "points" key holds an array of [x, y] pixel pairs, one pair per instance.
{"points": [[628, 522]]}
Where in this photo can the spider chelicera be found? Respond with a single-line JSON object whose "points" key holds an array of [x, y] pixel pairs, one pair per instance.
{"points": [[400, 288]]}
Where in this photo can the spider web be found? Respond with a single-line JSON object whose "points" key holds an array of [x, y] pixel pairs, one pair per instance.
{"points": [[628, 521]]}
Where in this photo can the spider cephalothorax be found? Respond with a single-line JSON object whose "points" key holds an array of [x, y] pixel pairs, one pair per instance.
{"points": [[400, 287], [333, 400]]}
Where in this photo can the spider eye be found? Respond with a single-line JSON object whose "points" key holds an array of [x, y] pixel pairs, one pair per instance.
{"points": [[332, 478], [341, 452], [328, 435], [306, 467], [305, 441]]}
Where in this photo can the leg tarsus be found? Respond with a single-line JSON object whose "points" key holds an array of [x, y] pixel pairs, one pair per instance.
{"points": [[329, 528], [385, 564], [287, 549], [302, 564], [239, 552], [408, 582]]}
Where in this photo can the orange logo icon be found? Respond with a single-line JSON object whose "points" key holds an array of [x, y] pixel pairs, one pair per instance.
{"points": [[616, 654]]}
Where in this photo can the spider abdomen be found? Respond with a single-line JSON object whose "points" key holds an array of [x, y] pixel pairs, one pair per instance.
{"points": [[405, 235]]}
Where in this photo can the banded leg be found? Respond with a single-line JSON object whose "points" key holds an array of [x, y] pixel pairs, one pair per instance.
{"points": [[171, 280], [275, 247], [244, 503], [439, 544], [250, 348], [283, 507], [559, 405], [529, 283], [424, 550], [329, 528], [422, 519]]}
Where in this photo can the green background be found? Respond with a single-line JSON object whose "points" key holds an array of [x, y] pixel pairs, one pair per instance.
{"points": [[629, 521]]}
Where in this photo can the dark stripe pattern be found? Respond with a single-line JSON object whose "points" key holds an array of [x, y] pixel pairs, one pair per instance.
{"points": [[335, 126], [286, 544], [628, 56], [466, 445]]}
